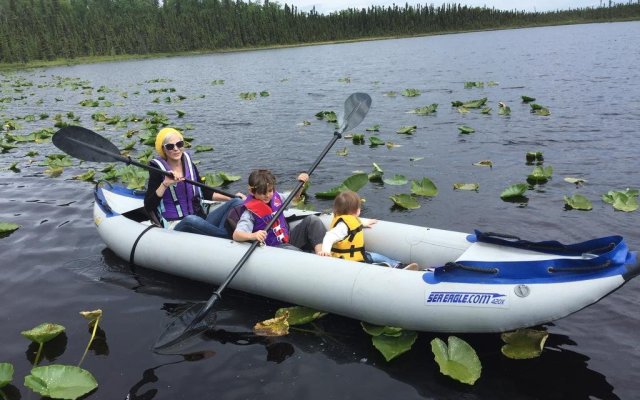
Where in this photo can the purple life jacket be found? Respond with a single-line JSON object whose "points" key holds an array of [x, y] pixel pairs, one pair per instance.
{"points": [[177, 201], [262, 214]]}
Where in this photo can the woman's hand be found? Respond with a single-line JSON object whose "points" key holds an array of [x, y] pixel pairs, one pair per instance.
{"points": [[303, 177], [241, 196]]}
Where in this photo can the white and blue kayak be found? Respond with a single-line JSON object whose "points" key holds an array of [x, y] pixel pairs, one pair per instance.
{"points": [[479, 282]]}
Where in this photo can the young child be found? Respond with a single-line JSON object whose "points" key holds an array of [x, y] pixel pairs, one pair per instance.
{"points": [[345, 239], [259, 207]]}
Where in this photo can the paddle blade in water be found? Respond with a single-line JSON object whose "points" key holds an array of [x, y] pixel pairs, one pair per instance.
{"points": [[182, 327], [356, 108], [86, 145]]}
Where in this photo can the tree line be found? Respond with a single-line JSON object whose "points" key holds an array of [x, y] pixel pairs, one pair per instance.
{"points": [[35, 30]]}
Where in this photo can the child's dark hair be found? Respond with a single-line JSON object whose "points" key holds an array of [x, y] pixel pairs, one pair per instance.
{"points": [[261, 181], [346, 202]]}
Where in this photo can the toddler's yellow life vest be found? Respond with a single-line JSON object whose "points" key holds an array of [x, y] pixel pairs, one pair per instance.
{"points": [[352, 246]]}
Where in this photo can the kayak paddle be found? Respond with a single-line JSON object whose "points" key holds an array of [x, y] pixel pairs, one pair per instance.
{"points": [[194, 320], [85, 144]]}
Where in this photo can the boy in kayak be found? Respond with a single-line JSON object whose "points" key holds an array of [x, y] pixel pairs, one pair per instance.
{"points": [[345, 239], [262, 203]]}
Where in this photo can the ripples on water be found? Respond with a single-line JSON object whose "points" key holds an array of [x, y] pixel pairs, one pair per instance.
{"points": [[55, 265]]}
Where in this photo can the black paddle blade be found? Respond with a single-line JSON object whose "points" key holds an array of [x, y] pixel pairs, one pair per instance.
{"points": [[85, 144], [185, 325], [356, 108]]}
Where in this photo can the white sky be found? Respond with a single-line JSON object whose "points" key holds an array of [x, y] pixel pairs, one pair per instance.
{"points": [[327, 6]]}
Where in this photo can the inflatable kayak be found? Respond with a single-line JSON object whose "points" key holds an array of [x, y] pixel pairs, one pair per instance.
{"points": [[478, 282]]}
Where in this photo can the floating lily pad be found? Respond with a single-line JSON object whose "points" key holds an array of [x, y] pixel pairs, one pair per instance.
{"points": [[201, 148], [265, 93], [540, 175], [425, 187], [407, 130], [484, 163], [475, 103], [299, 315], [410, 92], [626, 201], [375, 128], [376, 174], [91, 315], [577, 181], [14, 167], [391, 145], [514, 191], [375, 141], [390, 341], [213, 180], [396, 180], [523, 343], [354, 183], [415, 158], [466, 186], [503, 109], [578, 202], [6, 374], [405, 201], [527, 99], [357, 139], [87, 176], [457, 360], [486, 110], [532, 156], [60, 381], [426, 110], [43, 332], [277, 326], [343, 152], [329, 116], [466, 129]]}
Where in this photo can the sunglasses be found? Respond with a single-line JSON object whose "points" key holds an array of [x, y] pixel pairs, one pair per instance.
{"points": [[170, 146]]}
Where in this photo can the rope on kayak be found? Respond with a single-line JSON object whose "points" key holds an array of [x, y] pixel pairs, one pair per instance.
{"points": [[451, 265], [135, 244], [587, 268]]}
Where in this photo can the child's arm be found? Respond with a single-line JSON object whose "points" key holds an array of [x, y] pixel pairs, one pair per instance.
{"points": [[333, 235], [303, 177], [244, 230], [368, 223]]}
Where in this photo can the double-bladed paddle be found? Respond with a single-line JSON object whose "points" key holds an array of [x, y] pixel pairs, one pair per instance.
{"points": [[194, 320], [85, 144]]}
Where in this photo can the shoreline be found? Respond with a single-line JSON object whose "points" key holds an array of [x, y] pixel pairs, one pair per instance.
{"points": [[4, 67]]}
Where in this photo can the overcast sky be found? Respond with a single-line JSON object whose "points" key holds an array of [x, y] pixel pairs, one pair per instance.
{"points": [[327, 6]]}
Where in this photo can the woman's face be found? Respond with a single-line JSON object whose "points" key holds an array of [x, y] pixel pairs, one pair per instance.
{"points": [[173, 146]]}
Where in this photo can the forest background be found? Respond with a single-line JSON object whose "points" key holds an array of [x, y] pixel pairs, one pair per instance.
{"points": [[41, 32]]}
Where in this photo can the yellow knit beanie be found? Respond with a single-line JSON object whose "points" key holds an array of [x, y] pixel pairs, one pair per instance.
{"points": [[164, 132]]}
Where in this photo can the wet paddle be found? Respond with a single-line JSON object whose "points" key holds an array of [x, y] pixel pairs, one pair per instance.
{"points": [[85, 144], [195, 319]]}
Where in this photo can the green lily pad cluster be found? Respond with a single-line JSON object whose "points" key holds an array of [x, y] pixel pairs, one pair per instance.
{"points": [[55, 381], [391, 342], [626, 200]]}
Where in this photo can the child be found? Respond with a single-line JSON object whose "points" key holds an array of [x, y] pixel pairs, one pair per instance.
{"points": [[345, 239], [260, 206]]}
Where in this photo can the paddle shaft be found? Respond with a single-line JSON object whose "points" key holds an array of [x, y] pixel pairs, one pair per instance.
{"points": [[218, 293], [128, 161]]}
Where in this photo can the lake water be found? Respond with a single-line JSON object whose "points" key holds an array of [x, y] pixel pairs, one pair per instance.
{"points": [[56, 265]]}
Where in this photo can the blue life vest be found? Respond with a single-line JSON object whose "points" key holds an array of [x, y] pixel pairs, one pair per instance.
{"points": [[262, 214]]}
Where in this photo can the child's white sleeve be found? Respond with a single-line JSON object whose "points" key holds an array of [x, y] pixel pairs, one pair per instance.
{"points": [[335, 234]]}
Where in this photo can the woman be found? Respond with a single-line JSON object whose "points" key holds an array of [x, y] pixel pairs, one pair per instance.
{"points": [[176, 203]]}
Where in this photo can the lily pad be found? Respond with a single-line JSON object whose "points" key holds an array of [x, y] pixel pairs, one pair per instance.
{"points": [[8, 227], [299, 315], [87, 176], [6, 374], [466, 129], [523, 343], [60, 381], [202, 148], [540, 174], [527, 99], [343, 152], [410, 92], [425, 187], [393, 346], [484, 163], [426, 110], [475, 103], [43, 332], [91, 315], [415, 158], [376, 174], [407, 130], [354, 183], [466, 186], [514, 191], [375, 128], [578, 202], [377, 330], [396, 180], [457, 360], [405, 201], [626, 201], [277, 326], [577, 181], [375, 141]]}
